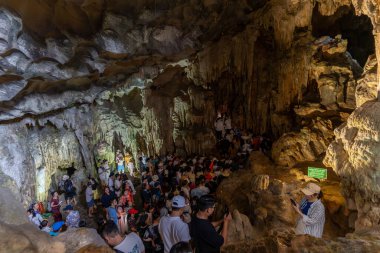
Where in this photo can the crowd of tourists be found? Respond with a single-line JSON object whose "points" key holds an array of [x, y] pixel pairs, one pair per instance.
{"points": [[170, 205]]}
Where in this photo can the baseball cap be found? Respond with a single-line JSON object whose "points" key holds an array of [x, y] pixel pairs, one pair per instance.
{"points": [[68, 207], [178, 202], [311, 189]]}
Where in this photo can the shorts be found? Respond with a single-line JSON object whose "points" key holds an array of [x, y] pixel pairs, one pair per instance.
{"points": [[91, 203], [70, 195], [120, 168]]}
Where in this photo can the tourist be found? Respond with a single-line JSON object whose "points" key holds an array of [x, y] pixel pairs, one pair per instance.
{"points": [[70, 191], [111, 182], [118, 185], [122, 243], [34, 217], [44, 226], [146, 194], [227, 123], [103, 172], [126, 198], [55, 205], [120, 161], [219, 128], [200, 190], [206, 239], [90, 199], [122, 221], [111, 211], [155, 188], [128, 183], [311, 211], [107, 197], [151, 237], [73, 217], [182, 247], [172, 229]]}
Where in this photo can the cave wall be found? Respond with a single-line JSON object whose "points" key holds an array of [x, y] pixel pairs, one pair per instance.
{"points": [[147, 77]]}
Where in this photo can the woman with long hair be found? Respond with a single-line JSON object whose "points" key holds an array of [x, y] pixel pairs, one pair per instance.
{"points": [[55, 207]]}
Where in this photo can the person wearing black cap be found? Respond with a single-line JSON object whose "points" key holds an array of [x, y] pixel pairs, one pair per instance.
{"points": [[206, 238]]}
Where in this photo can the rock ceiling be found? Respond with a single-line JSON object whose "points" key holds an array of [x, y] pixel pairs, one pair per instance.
{"points": [[71, 46]]}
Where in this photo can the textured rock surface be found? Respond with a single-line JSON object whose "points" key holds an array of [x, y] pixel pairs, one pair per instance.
{"points": [[366, 89], [81, 79], [75, 239], [264, 198], [16, 233], [354, 157], [285, 241], [145, 75], [263, 193], [307, 145]]}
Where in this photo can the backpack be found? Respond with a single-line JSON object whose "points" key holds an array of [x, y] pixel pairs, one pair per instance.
{"points": [[69, 187], [61, 186]]}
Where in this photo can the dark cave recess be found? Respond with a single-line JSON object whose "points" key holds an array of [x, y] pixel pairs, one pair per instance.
{"points": [[356, 29]]}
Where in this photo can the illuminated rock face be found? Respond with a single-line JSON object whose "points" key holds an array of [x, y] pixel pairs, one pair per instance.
{"points": [[354, 155], [88, 77]]}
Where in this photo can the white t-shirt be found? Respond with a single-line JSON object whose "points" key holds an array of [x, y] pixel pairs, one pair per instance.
{"points": [[219, 125], [110, 183], [172, 231], [117, 185], [89, 193], [131, 244]]}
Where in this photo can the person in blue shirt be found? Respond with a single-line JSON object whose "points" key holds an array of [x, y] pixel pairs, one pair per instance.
{"points": [[111, 212]]}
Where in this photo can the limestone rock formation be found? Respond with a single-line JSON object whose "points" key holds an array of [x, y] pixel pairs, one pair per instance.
{"points": [[81, 79], [26, 238], [354, 157], [263, 193], [145, 76], [77, 238], [367, 85], [284, 241], [306, 145]]}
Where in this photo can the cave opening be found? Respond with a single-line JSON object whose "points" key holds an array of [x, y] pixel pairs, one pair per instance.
{"points": [[356, 29]]}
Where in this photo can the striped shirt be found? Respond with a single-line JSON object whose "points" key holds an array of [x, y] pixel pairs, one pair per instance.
{"points": [[314, 221]]}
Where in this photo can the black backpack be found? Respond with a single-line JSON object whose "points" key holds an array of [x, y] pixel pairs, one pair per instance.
{"points": [[69, 187]]}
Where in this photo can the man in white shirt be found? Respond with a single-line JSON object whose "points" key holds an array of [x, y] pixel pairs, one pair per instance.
{"points": [[111, 180], [90, 199], [130, 243], [172, 229]]}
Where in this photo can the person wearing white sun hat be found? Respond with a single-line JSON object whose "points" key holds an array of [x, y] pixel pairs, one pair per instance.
{"points": [[311, 211]]}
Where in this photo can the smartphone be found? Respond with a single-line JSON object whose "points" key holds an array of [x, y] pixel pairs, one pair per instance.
{"points": [[293, 202], [226, 210]]}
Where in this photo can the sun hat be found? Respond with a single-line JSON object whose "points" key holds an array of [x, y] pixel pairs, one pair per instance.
{"points": [[65, 177], [155, 177], [178, 202], [311, 189]]}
